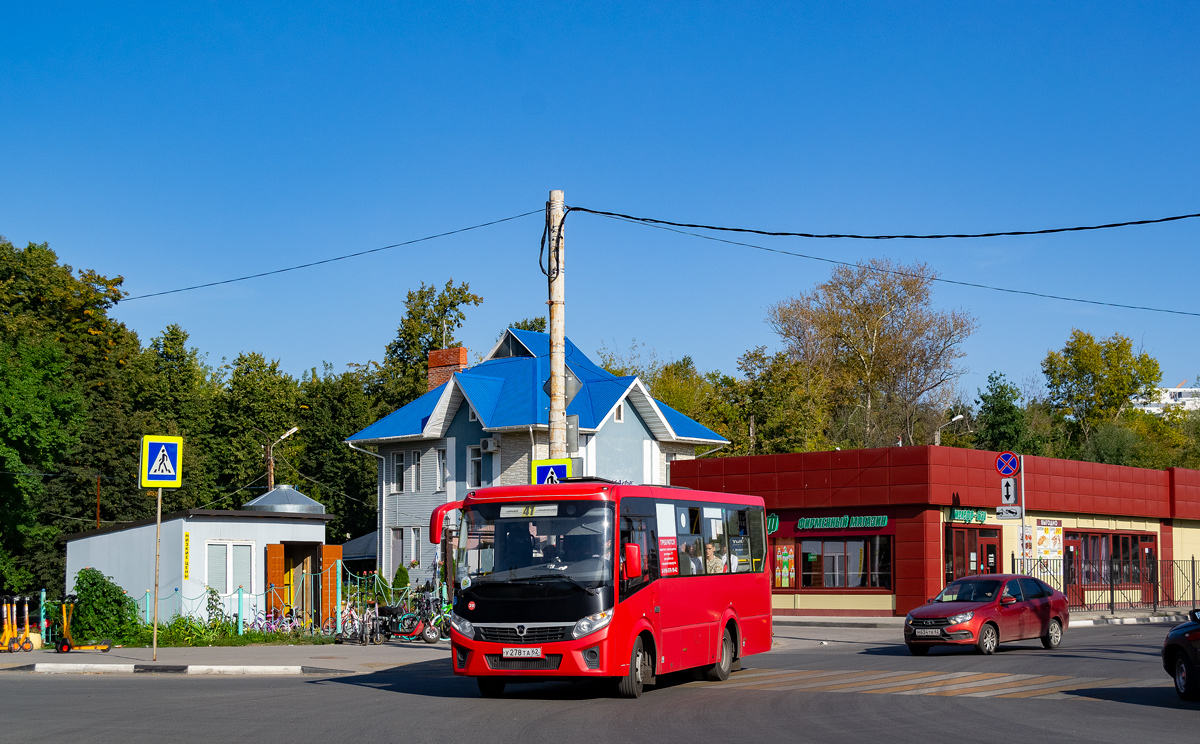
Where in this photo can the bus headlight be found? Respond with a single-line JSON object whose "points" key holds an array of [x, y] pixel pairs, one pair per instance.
{"points": [[462, 625], [592, 623]]}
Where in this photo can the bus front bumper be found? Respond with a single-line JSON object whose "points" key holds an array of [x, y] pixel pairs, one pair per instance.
{"points": [[582, 657]]}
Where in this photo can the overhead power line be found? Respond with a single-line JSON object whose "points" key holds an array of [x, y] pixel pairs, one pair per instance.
{"points": [[853, 236], [331, 260], [663, 226]]}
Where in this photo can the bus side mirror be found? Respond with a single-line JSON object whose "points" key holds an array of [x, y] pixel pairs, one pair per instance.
{"points": [[633, 561]]}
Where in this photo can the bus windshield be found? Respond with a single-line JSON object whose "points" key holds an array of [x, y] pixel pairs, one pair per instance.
{"points": [[568, 544]]}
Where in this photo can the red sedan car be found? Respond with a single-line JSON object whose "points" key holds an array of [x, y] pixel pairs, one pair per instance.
{"points": [[984, 611]]}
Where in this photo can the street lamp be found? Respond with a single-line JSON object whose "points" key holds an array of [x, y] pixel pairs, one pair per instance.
{"points": [[271, 457], [937, 435]]}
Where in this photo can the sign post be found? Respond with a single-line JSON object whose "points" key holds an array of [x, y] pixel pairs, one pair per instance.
{"points": [[1012, 499], [161, 466]]}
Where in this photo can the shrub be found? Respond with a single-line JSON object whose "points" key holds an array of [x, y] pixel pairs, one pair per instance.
{"points": [[103, 609], [400, 581]]}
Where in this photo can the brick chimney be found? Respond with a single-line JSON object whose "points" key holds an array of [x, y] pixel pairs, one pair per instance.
{"points": [[443, 363]]}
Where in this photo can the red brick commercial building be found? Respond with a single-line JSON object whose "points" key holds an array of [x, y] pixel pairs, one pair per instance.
{"points": [[877, 532]]}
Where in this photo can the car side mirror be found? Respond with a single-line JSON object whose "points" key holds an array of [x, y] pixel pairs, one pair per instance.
{"points": [[1194, 616], [633, 561], [1007, 600]]}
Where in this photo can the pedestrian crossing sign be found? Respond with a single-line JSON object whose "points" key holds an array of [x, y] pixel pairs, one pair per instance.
{"points": [[162, 461], [551, 471]]}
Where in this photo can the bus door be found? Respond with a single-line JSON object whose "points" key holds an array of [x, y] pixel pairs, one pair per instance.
{"points": [[683, 611]]}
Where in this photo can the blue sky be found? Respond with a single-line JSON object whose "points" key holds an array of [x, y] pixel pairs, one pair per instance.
{"points": [[177, 146]]}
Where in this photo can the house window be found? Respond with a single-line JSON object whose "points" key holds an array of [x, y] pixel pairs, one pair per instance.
{"points": [[414, 556], [441, 470], [398, 472], [619, 413], [416, 471], [230, 565], [474, 467], [471, 416]]}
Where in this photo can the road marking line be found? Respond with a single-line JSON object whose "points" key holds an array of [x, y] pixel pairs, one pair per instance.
{"points": [[1018, 680], [1060, 688], [820, 685], [975, 684], [920, 688], [827, 675], [857, 685], [1048, 685]]}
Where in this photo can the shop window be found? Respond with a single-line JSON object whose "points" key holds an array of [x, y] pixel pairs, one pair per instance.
{"points": [[1098, 558], [834, 563]]}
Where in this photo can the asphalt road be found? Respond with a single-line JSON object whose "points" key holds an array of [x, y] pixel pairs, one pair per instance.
{"points": [[1103, 684]]}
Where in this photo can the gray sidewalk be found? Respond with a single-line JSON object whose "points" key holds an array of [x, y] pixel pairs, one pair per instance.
{"points": [[298, 659], [1171, 615]]}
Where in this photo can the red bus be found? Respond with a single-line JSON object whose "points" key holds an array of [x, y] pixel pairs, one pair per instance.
{"points": [[591, 579]]}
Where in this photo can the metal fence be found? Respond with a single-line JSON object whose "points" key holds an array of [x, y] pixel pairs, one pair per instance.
{"points": [[1116, 584]]}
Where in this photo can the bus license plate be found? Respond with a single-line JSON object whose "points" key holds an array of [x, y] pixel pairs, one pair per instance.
{"points": [[928, 632], [534, 652]]}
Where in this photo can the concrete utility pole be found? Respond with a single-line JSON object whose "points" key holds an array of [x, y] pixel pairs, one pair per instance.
{"points": [[558, 329]]}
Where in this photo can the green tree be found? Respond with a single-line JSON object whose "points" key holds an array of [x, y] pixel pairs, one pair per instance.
{"points": [[259, 403], [1001, 420], [41, 411], [872, 332], [537, 324], [1092, 382], [333, 406], [430, 320], [778, 405]]}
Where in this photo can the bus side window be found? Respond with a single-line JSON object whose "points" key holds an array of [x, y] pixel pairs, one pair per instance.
{"points": [[739, 545], [639, 530], [756, 531]]}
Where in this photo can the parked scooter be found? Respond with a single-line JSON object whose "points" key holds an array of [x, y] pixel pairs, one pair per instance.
{"points": [[67, 642], [9, 640]]}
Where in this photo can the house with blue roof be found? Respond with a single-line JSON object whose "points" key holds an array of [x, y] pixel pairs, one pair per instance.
{"points": [[482, 426]]}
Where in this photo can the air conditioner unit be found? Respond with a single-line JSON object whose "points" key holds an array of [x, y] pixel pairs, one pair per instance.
{"points": [[491, 444]]}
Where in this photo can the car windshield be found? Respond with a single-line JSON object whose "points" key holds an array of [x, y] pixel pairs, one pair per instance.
{"points": [[972, 590], [568, 544]]}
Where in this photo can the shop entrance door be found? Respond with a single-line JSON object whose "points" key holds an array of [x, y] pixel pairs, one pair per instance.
{"points": [[971, 551], [1073, 570]]}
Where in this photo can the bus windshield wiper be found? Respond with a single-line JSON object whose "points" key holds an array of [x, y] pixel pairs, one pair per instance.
{"points": [[561, 577]]}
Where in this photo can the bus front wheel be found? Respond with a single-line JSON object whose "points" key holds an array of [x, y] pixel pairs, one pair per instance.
{"points": [[632, 684]]}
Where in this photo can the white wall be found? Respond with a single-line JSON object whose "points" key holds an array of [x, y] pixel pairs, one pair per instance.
{"points": [[128, 557]]}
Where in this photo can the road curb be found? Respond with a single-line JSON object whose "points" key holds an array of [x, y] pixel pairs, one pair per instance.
{"points": [[1151, 620], [189, 669], [819, 623]]}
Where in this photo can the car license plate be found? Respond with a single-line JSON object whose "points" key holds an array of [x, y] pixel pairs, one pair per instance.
{"points": [[528, 652], [928, 631]]}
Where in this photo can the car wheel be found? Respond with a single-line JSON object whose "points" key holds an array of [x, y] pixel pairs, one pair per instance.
{"points": [[1053, 635], [631, 684], [989, 638], [490, 687], [719, 672], [918, 650], [1187, 684]]}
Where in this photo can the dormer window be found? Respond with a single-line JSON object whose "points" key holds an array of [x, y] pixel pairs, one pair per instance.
{"points": [[619, 413], [471, 415]]}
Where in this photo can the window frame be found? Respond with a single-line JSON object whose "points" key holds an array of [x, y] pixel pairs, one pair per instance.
{"points": [[619, 413], [398, 465], [475, 466], [231, 590], [441, 466], [416, 470]]}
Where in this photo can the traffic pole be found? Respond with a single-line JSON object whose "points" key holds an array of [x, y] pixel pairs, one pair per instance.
{"points": [[1024, 553], [558, 328], [157, 545]]}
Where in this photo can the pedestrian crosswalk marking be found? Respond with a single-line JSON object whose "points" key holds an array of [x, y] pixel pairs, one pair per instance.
{"points": [[162, 464], [929, 683]]}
